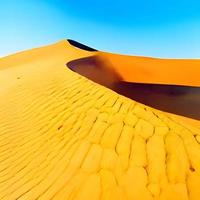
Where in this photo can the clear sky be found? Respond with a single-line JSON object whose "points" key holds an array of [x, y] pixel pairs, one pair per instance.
{"points": [[159, 28]]}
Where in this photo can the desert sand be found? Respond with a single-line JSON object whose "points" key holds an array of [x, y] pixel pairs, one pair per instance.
{"points": [[65, 134]]}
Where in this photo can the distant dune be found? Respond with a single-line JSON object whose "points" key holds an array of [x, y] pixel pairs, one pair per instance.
{"points": [[78, 123]]}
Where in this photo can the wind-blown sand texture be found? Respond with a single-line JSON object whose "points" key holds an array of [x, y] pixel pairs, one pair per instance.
{"points": [[66, 137]]}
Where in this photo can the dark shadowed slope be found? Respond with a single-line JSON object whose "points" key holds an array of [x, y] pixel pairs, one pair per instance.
{"points": [[80, 46]]}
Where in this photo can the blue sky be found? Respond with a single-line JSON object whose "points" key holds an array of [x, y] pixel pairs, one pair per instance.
{"points": [[159, 28]]}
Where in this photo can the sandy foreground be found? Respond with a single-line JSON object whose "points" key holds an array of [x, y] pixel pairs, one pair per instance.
{"points": [[66, 136]]}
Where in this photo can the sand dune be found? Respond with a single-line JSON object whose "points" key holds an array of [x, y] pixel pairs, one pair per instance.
{"points": [[69, 135], [177, 99]]}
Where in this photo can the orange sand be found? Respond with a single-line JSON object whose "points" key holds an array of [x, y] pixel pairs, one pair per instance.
{"points": [[154, 70]]}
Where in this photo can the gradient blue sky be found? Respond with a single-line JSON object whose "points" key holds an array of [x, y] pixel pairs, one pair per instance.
{"points": [[159, 28]]}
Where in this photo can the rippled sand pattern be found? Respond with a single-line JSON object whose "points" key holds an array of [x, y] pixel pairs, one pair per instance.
{"points": [[65, 137]]}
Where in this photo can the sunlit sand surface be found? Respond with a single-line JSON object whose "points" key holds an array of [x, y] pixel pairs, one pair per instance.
{"points": [[65, 136]]}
